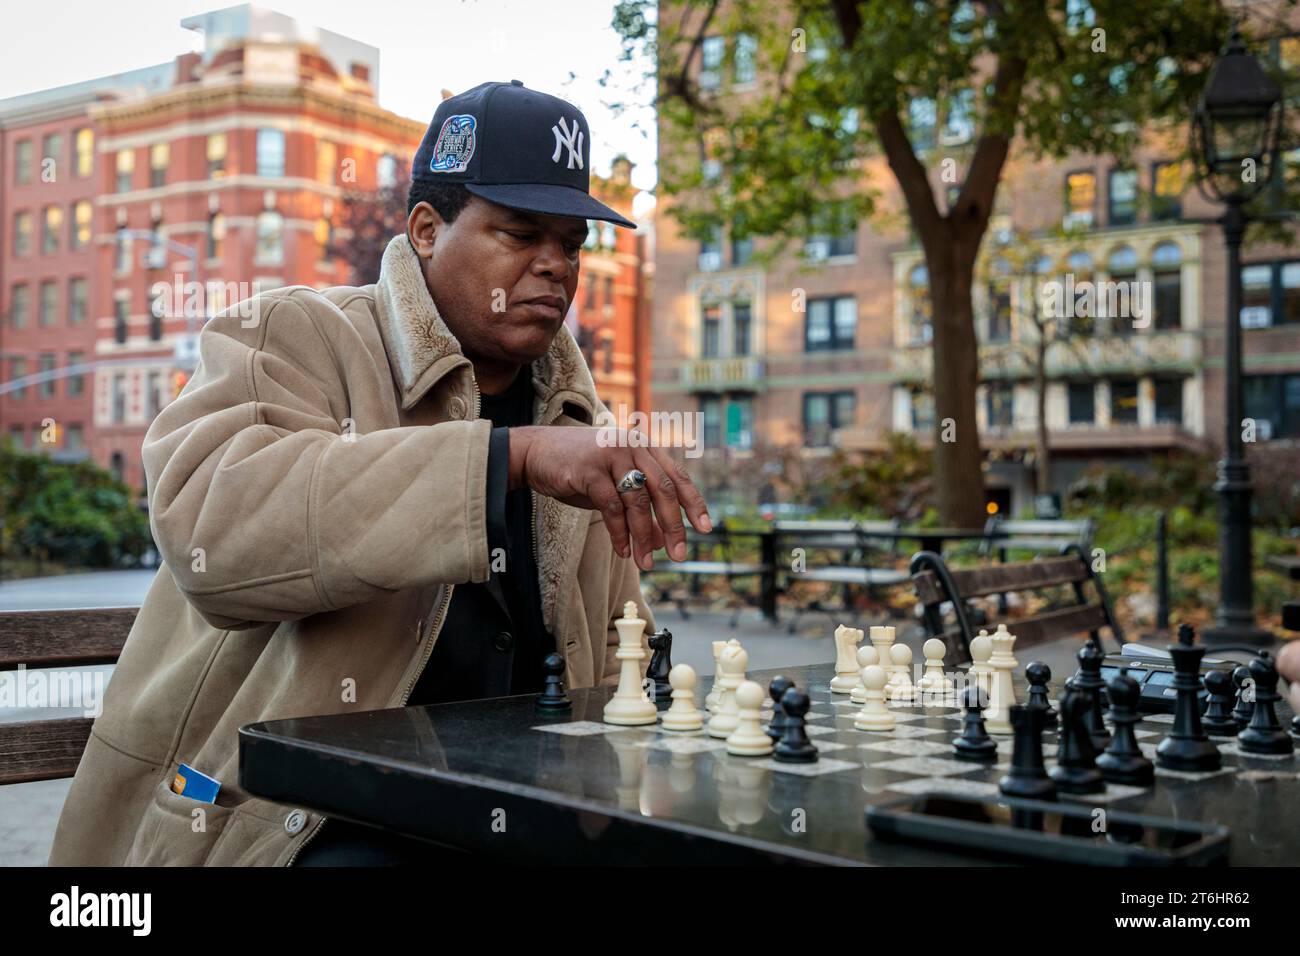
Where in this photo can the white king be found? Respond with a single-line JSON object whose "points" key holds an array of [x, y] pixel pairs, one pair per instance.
{"points": [[630, 704]]}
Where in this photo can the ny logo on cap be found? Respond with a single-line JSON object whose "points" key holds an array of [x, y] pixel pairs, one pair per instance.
{"points": [[572, 138]]}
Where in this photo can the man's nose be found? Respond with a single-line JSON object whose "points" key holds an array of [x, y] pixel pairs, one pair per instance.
{"points": [[552, 262]]}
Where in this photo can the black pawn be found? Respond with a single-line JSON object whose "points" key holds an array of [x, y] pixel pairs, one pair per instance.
{"points": [[661, 662], [1217, 719], [794, 745], [1076, 760], [1088, 681], [777, 690], [1028, 776], [1264, 735], [1039, 674], [553, 698], [1245, 696], [1187, 748], [1123, 761], [975, 744]]}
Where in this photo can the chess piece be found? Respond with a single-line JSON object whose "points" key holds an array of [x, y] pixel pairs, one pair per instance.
{"points": [[711, 699], [1002, 692], [1245, 696], [1187, 748], [1088, 681], [933, 679], [794, 745], [1028, 776], [661, 663], [1039, 675], [554, 699], [882, 639], [683, 715], [867, 655], [980, 674], [899, 684], [1076, 760], [975, 744], [630, 706], [748, 739], [776, 689], [1123, 761], [875, 714], [846, 659], [1264, 734], [732, 662], [1219, 692]]}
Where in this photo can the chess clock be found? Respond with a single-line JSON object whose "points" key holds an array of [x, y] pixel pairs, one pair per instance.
{"points": [[1154, 672]]}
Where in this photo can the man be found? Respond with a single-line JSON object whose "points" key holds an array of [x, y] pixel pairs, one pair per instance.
{"points": [[343, 529]]}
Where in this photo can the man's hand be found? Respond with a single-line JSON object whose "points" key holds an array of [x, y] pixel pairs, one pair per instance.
{"points": [[1288, 665], [571, 465]]}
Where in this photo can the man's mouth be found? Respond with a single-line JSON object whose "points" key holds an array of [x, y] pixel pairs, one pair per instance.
{"points": [[545, 306]]}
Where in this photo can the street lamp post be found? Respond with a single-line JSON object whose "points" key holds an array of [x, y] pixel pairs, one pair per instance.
{"points": [[1234, 141]]}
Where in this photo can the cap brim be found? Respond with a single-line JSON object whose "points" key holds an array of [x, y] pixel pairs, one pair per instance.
{"points": [[549, 201]]}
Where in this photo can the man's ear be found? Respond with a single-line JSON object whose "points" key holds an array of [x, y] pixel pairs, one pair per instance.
{"points": [[422, 228]]}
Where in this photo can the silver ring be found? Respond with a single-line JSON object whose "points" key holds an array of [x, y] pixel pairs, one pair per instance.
{"points": [[634, 480]]}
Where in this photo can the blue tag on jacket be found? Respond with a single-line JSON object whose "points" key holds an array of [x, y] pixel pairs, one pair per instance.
{"points": [[195, 785]]}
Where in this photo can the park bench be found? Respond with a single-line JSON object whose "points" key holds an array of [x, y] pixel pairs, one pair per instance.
{"points": [[1039, 535], [940, 588], [666, 576], [51, 749]]}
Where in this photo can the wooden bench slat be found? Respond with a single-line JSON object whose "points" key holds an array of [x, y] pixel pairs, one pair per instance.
{"points": [[1053, 624], [1004, 578], [64, 638], [42, 749]]}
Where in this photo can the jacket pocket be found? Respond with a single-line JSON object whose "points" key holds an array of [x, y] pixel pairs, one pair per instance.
{"points": [[177, 830]]}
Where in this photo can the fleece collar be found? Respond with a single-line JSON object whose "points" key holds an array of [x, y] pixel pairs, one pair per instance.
{"points": [[422, 349]]}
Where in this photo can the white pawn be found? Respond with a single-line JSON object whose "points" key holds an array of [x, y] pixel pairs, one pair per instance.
{"points": [[731, 675], [875, 714], [749, 739], [980, 673], [711, 700], [683, 714], [934, 680], [867, 655], [899, 685]]}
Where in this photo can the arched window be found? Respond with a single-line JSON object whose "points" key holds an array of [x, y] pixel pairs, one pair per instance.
{"points": [[1123, 261], [1079, 265], [1167, 282], [1118, 298], [270, 238], [920, 328]]}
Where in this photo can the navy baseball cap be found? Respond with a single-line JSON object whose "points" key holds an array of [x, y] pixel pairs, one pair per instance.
{"points": [[516, 147]]}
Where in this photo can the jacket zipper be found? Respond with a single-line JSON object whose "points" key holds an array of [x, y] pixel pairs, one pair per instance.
{"points": [[428, 651]]}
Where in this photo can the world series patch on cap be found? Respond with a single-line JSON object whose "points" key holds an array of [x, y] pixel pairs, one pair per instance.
{"points": [[515, 147]]}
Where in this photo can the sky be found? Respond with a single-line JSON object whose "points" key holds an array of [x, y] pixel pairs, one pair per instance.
{"points": [[424, 46]]}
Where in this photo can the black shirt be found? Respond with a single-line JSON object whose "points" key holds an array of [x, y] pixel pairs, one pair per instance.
{"points": [[493, 639]]}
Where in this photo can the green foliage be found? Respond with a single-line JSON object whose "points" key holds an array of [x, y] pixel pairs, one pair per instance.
{"points": [[70, 513], [894, 483]]}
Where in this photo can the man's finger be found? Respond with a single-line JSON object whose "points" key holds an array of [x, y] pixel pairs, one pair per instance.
{"points": [[668, 509], [640, 521], [688, 495], [610, 504]]}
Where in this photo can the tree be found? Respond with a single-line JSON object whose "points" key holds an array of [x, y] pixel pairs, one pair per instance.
{"points": [[368, 220], [839, 82]]}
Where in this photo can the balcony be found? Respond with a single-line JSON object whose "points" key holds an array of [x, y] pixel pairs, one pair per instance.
{"points": [[740, 374]]}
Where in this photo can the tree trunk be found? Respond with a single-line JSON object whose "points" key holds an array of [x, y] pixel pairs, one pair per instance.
{"points": [[1043, 477], [958, 461]]}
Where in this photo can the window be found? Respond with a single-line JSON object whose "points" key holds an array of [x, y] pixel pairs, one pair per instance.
{"points": [[75, 438], [76, 380], [1273, 401], [830, 324], [160, 155], [51, 227], [1167, 282], [84, 144], [216, 151], [713, 51], [1167, 182], [17, 370], [1122, 197], [76, 301], [711, 413], [1289, 279], [157, 312], [922, 117], [16, 435], [119, 410], [607, 291], [19, 307], [1079, 264], [52, 149], [1122, 266], [125, 169], [122, 260], [117, 465], [324, 239], [121, 309], [327, 161], [22, 162], [386, 171], [153, 395], [742, 250], [823, 412], [81, 224], [270, 152], [270, 238], [49, 305], [45, 367], [740, 422], [22, 233], [711, 331], [999, 399], [1169, 400], [1124, 401], [922, 408], [1080, 199], [216, 234], [740, 322], [1082, 400], [920, 329], [711, 253], [999, 312], [745, 65], [826, 244]]}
